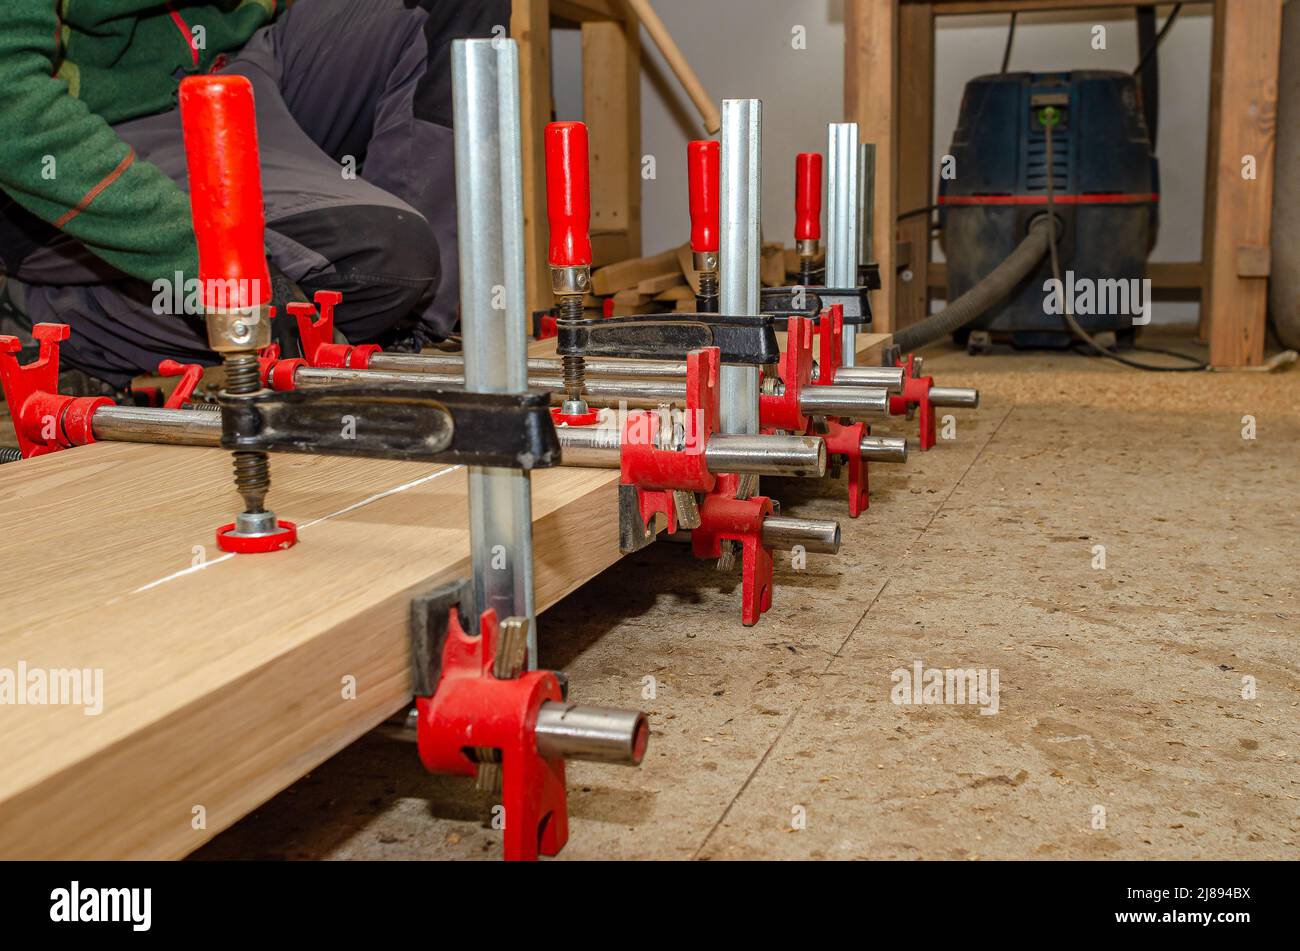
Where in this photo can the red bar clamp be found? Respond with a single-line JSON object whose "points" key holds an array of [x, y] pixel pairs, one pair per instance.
{"points": [[463, 707], [656, 471], [844, 440], [317, 334], [915, 395], [43, 420]]}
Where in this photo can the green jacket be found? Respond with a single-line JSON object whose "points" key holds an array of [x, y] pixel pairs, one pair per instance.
{"points": [[68, 69]]}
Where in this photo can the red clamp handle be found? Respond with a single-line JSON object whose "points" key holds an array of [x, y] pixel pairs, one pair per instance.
{"points": [[795, 369], [703, 166], [808, 196], [190, 373], [220, 130], [470, 709], [916, 394], [317, 335], [568, 194], [44, 421]]}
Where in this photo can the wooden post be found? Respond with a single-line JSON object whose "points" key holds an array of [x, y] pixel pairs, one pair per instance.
{"points": [[870, 100], [1238, 207], [915, 158], [530, 27], [611, 90]]}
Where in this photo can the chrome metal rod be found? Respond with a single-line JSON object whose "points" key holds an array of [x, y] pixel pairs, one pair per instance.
{"points": [[598, 447], [594, 734], [451, 364], [177, 427], [490, 223], [797, 456], [740, 250], [819, 536], [842, 220], [853, 401], [814, 400], [890, 378], [883, 448], [959, 396]]}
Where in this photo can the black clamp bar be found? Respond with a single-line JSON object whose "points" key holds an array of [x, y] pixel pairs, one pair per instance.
{"points": [[854, 300], [502, 430], [743, 340]]}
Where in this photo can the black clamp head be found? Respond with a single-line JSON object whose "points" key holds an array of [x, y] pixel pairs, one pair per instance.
{"points": [[743, 340], [421, 424]]}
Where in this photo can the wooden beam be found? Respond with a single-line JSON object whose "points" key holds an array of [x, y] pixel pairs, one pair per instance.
{"points": [[630, 273], [915, 161], [530, 27], [1243, 137], [587, 11], [225, 683], [870, 100], [611, 86]]}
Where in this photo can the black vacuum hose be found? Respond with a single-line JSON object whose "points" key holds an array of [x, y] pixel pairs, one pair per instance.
{"points": [[999, 282]]}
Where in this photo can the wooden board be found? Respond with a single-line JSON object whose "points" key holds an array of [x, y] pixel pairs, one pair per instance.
{"points": [[225, 679], [224, 683]]}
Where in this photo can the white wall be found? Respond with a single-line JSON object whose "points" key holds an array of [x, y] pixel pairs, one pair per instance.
{"points": [[742, 48]]}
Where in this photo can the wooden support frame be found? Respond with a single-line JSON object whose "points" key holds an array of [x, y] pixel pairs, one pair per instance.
{"points": [[889, 90], [611, 80], [1238, 207]]}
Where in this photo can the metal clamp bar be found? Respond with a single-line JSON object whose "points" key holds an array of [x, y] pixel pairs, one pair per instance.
{"points": [[490, 224], [842, 220], [742, 189]]}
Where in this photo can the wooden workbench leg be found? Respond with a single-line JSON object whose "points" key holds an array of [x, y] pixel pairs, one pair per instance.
{"points": [[916, 169], [1239, 183], [530, 27], [870, 100], [611, 92]]}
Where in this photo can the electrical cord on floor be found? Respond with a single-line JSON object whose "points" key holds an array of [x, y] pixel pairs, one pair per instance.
{"points": [[1087, 339]]}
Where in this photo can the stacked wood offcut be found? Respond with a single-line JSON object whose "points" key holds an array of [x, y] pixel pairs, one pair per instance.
{"points": [[668, 281]]}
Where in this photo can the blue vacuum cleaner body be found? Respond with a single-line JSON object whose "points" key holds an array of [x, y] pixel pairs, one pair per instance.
{"points": [[1106, 185]]}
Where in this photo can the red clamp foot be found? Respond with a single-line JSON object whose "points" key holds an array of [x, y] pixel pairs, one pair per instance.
{"points": [[317, 334], [463, 708], [915, 397], [43, 420], [562, 418], [723, 517], [286, 536]]}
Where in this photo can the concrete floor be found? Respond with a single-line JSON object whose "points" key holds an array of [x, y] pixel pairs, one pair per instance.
{"points": [[1121, 688]]}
